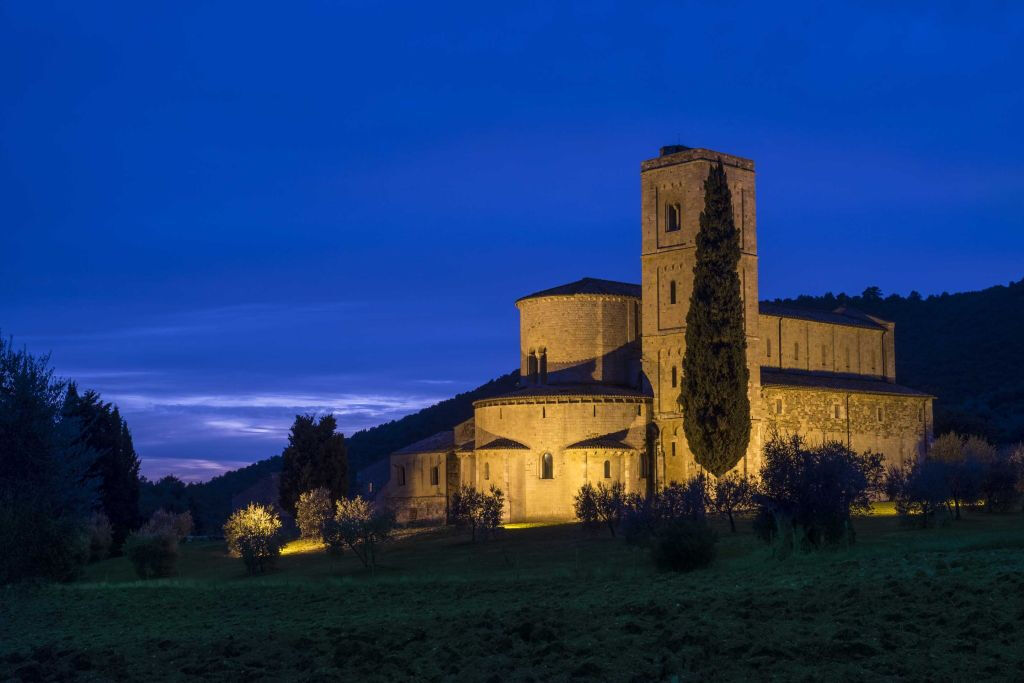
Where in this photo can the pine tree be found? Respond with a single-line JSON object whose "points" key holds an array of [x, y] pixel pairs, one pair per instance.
{"points": [[116, 467], [316, 457], [716, 408]]}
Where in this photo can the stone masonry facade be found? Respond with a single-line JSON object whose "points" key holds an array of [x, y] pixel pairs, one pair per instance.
{"points": [[601, 372]]}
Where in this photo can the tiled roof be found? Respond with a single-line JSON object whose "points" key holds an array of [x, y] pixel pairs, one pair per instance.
{"points": [[612, 441], [501, 443], [589, 285], [442, 441], [822, 380], [840, 316]]}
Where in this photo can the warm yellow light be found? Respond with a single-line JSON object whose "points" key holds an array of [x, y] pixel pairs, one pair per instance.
{"points": [[302, 546], [528, 525]]}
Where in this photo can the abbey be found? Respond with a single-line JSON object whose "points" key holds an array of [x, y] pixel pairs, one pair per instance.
{"points": [[601, 364]]}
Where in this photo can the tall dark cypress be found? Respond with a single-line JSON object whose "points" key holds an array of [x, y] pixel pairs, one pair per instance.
{"points": [[716, 408]]}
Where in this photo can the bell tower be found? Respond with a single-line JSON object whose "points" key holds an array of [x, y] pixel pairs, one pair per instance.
{"points": [[672, 198]]}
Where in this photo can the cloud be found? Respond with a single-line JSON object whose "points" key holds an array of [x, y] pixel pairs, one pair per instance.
{"points": [[337, 404]]}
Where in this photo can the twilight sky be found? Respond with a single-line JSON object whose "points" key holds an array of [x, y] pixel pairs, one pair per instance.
{"points": [[222, 214]]}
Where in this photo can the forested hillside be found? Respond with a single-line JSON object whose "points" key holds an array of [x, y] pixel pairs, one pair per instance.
{"points": [[967, 349]]}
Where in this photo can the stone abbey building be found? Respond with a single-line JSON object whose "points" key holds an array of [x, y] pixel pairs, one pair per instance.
{"points": [[601, 365]]}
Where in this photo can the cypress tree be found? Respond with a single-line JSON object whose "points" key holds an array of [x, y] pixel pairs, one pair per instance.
{"points": [[716, 408], [315, 457]]}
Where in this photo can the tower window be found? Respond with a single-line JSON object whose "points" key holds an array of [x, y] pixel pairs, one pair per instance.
{"points": [[778, 406], [543, 364], [435, 476], [673, 216], [547, 466], [673, 449], [607, 469], [675, 377], [531, 367], [487, 470], [837, 412], [672, 291]]}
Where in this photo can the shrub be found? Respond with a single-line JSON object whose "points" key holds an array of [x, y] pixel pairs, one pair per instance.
{"points": [[359, 527], [811, 493], [254, 533], [312, 511], [1000, 486], [684, 545], [154, 554], [101, 536], [673, 524], [966, 460], [469, 508], [600, 505], [920, 491], [177, 524], [731, 494]]}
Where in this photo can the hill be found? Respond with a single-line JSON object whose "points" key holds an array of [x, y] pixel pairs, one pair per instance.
{"points": [[964, 348], [211, 500]]}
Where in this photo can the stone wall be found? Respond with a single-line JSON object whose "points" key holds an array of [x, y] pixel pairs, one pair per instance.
{"points": [[418, 499], [551, 425], [793, 343], [898, 426], [584, 338]]}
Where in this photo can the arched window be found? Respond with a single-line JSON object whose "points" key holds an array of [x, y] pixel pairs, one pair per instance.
{"points": [[400, 474], [881, 414], [547, 466], [796, 350], [607, 469], [837, 411], [531, 366], [643, 465], [675, 377], [435, 476], [487, 470], [778, 406], [768, 347], [847, 349], [824, 355], [673, 216], [673, 449], [543, 366], [672, 291]]}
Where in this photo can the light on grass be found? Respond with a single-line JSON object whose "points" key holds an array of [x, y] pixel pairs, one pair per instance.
{"points": [[303, 546], [529, 525]]}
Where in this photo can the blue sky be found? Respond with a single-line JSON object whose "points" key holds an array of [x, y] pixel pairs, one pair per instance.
{"points": [[222, 214]]}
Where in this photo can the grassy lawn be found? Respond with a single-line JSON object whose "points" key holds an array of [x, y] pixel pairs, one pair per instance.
{"points": [[545, 602]]}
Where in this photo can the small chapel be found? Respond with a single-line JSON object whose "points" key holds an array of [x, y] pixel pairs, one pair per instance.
{"points": [[601, 373]]}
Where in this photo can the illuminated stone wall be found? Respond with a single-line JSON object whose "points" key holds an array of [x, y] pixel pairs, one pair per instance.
{"points": [[586, 338], [550, 425], [897, 426], [792, 343], [417, 500]]}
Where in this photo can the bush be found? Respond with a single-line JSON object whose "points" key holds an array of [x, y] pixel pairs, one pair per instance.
{"points": [[469, 508], [312, 511], [684, 545], [154, 554], [920, 491], [359, 527], [101, 536], [254, 534], [177, 524], [966, 461], [811, 493], [601, 505], [730, 494], [37, 543], [645, 518], [999, 486]]}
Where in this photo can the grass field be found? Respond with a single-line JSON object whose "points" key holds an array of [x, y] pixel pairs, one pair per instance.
{"points": [[542, 603]]}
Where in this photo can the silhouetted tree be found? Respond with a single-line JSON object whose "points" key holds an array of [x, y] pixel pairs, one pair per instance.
{"points": [[46, 492], [716, 408], [315, 458], [730, 494], [116, 468]]}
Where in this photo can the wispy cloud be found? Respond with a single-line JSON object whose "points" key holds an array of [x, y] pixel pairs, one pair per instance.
{"points": [[338, 404]]}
